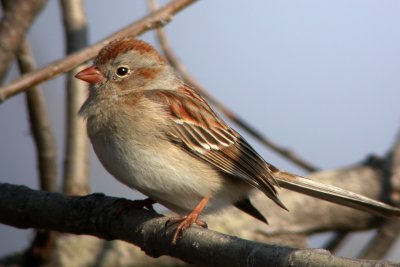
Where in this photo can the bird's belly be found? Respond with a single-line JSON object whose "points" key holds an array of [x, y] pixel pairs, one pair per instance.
{"points": [[168, 175]]}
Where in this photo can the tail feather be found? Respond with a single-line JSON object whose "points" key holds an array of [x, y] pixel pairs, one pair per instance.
{"points": [[333, 194]]}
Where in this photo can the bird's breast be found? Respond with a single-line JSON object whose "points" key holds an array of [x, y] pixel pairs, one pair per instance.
{"points": [[158, 169]]}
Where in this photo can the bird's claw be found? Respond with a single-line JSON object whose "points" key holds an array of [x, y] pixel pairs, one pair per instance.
{"points": [[184, 223]]}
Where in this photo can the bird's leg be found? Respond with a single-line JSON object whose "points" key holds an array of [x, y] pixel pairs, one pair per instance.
{"points": [[186, 221]]}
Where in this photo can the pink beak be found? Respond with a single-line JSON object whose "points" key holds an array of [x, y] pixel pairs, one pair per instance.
{"points": [[91, 75]]}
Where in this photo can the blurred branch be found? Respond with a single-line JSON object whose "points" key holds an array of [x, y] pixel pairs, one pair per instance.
{"points": [[382, 241], [44, 140], [336, 241], [160, 17], [17, 19], [39, 120], [177, 64], [389, 231], [40, 124], [101, 216], [393, 169], [76, 142]]}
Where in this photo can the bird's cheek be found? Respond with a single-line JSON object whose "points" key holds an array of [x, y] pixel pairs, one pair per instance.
{"points": [[147, 73]]}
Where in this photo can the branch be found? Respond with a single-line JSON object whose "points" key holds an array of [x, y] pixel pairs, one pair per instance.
{"points": [[76, 142], [17, 19], [160, 17], [382, 241], [334, 243], [44, 140], [177, 64], [388, 232], [39, 121], [108, 218]]}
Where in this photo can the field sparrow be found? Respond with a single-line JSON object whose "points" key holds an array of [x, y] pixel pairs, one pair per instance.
{"points": [[155, 134]]}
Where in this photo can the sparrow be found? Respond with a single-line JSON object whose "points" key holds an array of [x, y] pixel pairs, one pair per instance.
{"points": [[156, 134]]}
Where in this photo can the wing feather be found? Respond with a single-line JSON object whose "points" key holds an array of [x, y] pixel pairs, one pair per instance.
{"points": [[200, 132]]}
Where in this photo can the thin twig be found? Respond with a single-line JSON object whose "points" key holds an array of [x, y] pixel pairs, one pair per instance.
{"points": [[16, 21], [160, 17], [177, 64], [39, 120], [76, 144]]}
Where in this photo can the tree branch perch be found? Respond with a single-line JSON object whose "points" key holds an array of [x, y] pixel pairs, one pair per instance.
{"points": [[108, 218]]}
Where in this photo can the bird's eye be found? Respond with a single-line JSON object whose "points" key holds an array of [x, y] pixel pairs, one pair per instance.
{"points": [[122, 71]]}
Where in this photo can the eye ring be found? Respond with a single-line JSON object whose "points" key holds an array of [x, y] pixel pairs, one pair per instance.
{"points": [[122, 71]]}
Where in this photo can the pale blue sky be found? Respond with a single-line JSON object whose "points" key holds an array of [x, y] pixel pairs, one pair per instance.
{"points": [[319, 77]]}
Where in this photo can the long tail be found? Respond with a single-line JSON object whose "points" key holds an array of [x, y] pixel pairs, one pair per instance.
{"points": [[333, 194]]}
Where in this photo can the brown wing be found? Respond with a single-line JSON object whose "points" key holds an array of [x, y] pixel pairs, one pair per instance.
{"points": [[199, 130]]}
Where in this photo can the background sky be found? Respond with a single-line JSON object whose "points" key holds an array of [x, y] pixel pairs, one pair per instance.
{"points": [[319, 77]]}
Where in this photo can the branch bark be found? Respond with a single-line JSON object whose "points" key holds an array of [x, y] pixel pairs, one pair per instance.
{"points": [[108, 218], [160, 17]]}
